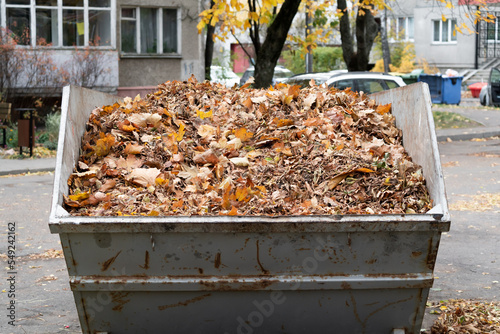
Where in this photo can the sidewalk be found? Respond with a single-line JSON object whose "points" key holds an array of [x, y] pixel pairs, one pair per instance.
{"points": [[489, 117], [20, 166]]}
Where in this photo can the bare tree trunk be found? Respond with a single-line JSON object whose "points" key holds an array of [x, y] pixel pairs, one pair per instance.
{"points": [[209, 47], [309, 55], [366, 31], [269, 53], [386, 51]]}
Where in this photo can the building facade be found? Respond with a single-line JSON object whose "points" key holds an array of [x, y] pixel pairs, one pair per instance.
{"points": [[133, 42], [446, 43]]}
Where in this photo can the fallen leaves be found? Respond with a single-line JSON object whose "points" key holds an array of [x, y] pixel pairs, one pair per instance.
{"points": [[202, 149], [466, 316], [478, 203]]}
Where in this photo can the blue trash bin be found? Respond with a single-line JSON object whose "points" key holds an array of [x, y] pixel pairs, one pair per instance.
{"points": [[452, 90], [444, 90]]}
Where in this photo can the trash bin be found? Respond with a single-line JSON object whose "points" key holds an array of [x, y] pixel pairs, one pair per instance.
{"points": [[412, 77], [25, 129], [253, 274], [475, 88], [443, 90]]}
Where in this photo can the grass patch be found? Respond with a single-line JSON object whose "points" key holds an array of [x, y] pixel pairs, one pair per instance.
{"points": [[450, 120]]}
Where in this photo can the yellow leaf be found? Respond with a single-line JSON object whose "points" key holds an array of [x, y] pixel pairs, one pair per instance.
{"points": [[383, 108], [287, 99], [203, 115], [153, 213], [364, 170], [283, 122], [161, 182], [80, 196], [241, 194], [243, 134], [104, 144], [180, 135], [443, 17], [449, 5], [262, 189]]}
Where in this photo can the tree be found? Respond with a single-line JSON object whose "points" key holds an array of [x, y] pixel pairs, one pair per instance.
{"points": [[366, 30], [254, 17], [209, 46]]}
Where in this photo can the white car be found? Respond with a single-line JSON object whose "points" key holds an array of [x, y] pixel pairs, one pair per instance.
{"points": [[367, 82], [281, 73], [304, 79], [224, 76]]}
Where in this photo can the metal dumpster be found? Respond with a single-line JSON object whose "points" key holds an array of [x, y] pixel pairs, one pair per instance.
{"points": [[225, 274]]}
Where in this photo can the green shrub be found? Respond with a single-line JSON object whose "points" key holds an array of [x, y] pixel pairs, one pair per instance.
{"points": [[52, 122], [12, 136], [49, 137], [324, 59]]}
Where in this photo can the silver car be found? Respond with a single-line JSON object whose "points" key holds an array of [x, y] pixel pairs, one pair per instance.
{"points": [[490, 94]]}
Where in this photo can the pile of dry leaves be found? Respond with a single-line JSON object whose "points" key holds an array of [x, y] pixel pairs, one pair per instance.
{"points": [[195, 148], [465, 316]]}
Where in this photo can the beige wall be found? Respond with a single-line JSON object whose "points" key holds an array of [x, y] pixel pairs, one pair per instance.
{"points": [[152, 70], [459, 55]]}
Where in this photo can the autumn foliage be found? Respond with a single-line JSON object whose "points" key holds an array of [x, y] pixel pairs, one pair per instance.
{"points": [[194, 148]]}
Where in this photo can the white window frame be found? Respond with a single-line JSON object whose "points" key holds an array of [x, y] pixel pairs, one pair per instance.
{"points": [[32, 6], [159, 27], [451, 28], [398, 28]]}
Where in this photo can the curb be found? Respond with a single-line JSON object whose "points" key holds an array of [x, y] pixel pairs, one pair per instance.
{"points": [[467, 135], [25, 171]]}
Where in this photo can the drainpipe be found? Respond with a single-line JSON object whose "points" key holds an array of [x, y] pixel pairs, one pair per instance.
{"points": [[476, 60]]}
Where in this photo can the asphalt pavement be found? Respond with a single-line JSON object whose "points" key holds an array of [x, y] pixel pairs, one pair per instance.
{"points": [[467, 263]]}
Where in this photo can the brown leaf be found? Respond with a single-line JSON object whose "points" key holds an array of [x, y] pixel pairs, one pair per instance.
{"points": [[207, 157], [143, 176], [131, 162], [133, 148], [108, 185]]}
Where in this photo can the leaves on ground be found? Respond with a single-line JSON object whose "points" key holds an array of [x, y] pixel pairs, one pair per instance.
{"points": [[202, 149], [466, 316], [479, 203]]}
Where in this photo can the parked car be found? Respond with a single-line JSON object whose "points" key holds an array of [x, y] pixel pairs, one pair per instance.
{"points": [[490, 94], [280, 74], [304, 79], [224, 76], [367, 82]]}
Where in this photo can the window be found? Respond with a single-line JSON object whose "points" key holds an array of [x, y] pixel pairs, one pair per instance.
{"points": [[343, 84], [60, 23], [391, 84], [444, 31], [370, 86], [149, 30], [401, 28], [493, 31]]}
